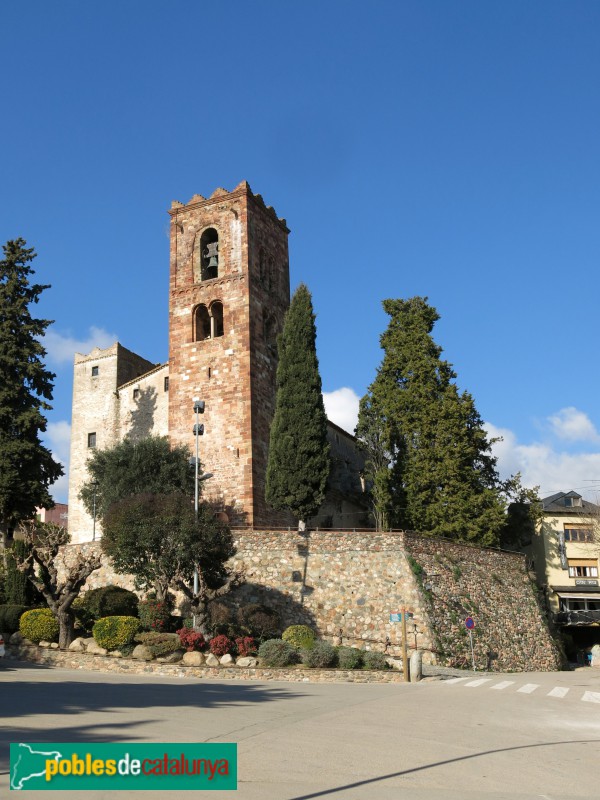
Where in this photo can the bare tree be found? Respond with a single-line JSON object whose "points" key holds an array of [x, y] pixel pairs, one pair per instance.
{"points": [[41, 566]]}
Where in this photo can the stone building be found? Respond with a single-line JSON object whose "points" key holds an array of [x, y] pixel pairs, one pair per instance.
{"points": [[229, 291]]}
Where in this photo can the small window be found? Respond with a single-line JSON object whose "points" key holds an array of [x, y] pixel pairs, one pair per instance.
{"points": [[95, 371], [209, 254], [166, 386], [583, 568], [91, 440], [201, 324], [136, 394]]}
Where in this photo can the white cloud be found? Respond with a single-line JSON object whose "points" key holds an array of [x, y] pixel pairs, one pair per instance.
{"points": [[61, 348], [573, 425], [58, 439], [546, 465], [341, 407]]}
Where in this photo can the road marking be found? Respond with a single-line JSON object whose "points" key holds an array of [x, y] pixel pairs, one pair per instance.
{"points": [[502, 685], [558, 691], [591, 697], [528, 688], [478, 682], [455, 680]]}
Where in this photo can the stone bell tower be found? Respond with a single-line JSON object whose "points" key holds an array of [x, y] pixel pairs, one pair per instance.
{"points": [[229, 291]]}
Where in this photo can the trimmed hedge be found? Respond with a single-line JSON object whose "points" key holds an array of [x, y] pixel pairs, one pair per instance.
{"points": [[350, 658], [300, 636], [114, 632], [39, 625], [110, 601], [277, 653], [321, 656], [373, 660], [160, 644], [10, 615]]}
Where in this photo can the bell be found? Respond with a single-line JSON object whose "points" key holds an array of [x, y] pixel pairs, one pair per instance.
{"points": [[212, 254]]}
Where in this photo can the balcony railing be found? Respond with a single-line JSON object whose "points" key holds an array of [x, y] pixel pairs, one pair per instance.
{"points": [[577, 618]]}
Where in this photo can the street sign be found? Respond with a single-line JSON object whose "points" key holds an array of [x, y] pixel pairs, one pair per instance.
{"points": [[396, 616], [470, 623]]}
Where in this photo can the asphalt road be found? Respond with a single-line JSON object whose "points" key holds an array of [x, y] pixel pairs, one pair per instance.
{"points": [[522, 736]]}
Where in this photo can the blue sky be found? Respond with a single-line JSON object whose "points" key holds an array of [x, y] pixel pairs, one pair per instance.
{"points": [[447, 149]]}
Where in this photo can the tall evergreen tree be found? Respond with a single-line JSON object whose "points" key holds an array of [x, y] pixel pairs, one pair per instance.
{"points": [[440, 476], [27, 468], [298, 465]]}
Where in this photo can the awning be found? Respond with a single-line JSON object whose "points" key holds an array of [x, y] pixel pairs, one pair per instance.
{"points": [[582, 596]]}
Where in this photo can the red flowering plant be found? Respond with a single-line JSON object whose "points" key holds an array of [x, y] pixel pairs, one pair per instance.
{"points": [[191, 640], [154, 615], [245, 645], [221, 645]]}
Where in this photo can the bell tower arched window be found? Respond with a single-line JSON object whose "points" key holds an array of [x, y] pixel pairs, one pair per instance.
{"points": [[201, 324], [216, 313], [209, 254]]}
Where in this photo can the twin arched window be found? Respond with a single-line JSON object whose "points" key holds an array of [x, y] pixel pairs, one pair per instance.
{"points": [[208, 322]]}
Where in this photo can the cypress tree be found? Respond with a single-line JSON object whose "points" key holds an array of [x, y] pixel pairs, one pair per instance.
{"points": [[439, 474], [27, 468], [298, 465]]}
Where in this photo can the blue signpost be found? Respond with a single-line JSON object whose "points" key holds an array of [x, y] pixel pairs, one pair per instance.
{"points": [[470, 624]]}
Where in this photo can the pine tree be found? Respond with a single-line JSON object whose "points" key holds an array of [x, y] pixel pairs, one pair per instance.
{"points": [[298, 465], [27, 468], [440, 476]]}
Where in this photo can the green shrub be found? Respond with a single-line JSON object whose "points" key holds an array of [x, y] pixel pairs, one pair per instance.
{"points": [[277, 653], [160, 644], [350, 658], [300, 636], [155, 615], [321, 656], [10, 616], [113, 633], [259, 621], [373, 660], [39, 625], [84, 619], [110, 601]]}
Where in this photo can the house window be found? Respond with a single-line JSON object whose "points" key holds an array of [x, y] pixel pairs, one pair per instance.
{"points": [[583, 568], [579, 535], [95, 371], [166, 384], [91, 440], [136, 394]]}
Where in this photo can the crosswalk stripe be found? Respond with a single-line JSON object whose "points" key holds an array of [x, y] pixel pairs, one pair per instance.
{"points": [[591, 697], [478, 682], [502, 685], [558, 691], [528, 688], [455, 680]]}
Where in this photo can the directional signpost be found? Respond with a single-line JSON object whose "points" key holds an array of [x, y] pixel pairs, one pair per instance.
{"points": [[402, 616], [470, 624]]}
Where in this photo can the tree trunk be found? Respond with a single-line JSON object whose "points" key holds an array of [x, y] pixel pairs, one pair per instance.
{"points": [[66, 623], [200, 612]]}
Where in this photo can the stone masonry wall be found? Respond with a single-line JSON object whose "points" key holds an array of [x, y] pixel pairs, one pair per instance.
{"points": [[347, 584]]}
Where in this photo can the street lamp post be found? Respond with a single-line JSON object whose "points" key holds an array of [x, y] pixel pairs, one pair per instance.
{"points": [[198, 431]]}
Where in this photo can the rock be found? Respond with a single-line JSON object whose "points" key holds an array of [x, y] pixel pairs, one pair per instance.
{"points": [[87, 642], [246, 661], [44, 643], [16, 638], [416, 666], [116, 654], [95, 649], [142, 653], [174, 658], [212, 661], [193, 659], [54, 646], [394, 663], [226, 660], [77, 646]]}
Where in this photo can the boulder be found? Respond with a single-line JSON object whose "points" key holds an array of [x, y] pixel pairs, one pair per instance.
{"points": [[193, 659], [212, 661], [174, 658], [116, 654], [142, 653], [16, 638], [226, 660], [94, 649], [44, 643], [54, 646], [246, 661], [77, 646]]}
